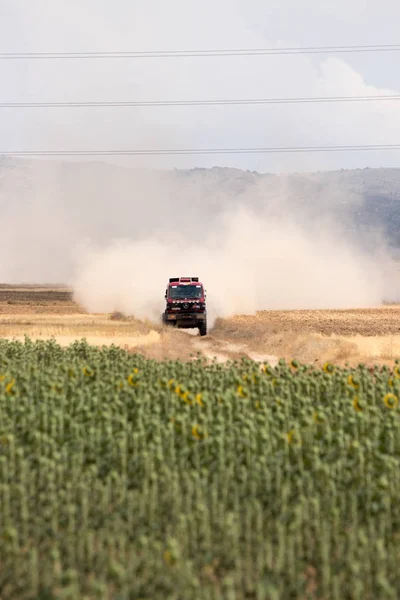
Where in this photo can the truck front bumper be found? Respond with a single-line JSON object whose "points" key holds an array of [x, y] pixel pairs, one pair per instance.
{"points": [[185, 320]]}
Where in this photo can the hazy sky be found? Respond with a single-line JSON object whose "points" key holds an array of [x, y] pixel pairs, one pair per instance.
{"points": [[101, 25]]}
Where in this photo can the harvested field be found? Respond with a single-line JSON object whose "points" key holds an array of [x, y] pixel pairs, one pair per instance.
{"points": [[370, 335], [37, 299], [382, 320]]}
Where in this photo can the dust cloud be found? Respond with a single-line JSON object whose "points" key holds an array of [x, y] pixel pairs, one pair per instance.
{"points": [[247, 262], [256, 241]]}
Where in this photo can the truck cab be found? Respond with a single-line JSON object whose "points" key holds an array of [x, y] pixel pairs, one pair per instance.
{"points": [[186, 304]]}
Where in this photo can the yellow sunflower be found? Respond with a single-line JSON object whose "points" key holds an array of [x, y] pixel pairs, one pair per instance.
{"points": [[293, 437], [199, 399], [87, 372], [197, 432], [187, 398], [290, 435], [10, 387], [353, 382], [131, 380], [328, 368], [391, 401], [318, 418], [242, 391]]}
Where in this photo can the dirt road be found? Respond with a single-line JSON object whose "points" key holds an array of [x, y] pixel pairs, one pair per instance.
{"points": [[370, 335]]}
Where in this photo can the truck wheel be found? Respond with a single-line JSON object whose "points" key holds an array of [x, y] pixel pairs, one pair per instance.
{"points": [[203, 328], [165, 321]]}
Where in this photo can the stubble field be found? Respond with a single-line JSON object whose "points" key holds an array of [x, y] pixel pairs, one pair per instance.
{"points": [[342, 336]]}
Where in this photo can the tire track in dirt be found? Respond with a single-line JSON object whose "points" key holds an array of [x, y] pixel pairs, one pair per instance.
{"points": [[222, 351]]}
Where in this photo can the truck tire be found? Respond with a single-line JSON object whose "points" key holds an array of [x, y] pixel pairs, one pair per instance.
{"points": [[165, 321], [203, 328]]}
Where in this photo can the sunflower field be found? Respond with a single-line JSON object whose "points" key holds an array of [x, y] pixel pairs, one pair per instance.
{"points": [[130, 479]]}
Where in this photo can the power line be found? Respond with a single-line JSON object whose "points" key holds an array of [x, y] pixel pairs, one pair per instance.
{"points": [[197, 151], [223, 102], [195, 53]]}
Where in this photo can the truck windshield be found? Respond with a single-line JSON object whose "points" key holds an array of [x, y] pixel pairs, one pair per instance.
{"points": [[185, 291]]}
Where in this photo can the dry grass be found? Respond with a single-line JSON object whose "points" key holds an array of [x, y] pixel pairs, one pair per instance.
{"points": [[70, 325], [340, 336], [388, 349], [383, 320]]}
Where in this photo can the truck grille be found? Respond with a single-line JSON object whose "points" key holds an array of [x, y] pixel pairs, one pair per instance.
{"points": [[185, 305]]}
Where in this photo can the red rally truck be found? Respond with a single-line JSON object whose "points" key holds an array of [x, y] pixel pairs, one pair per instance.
{"points": [[186, 304]]}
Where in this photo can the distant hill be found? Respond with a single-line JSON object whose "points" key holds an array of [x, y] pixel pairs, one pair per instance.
{"points": [[57, 203]]}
